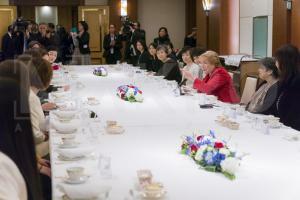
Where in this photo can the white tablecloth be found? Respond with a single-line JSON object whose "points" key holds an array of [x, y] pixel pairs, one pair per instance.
{"points": [[152, 140]]}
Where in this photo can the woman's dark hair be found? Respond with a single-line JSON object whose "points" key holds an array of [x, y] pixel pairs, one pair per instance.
{"points": [[185, 50], [40, 71], [36, 53], [197, 51], [165, 29], [153, 44], [288, 60], [84, 25], [143, 43], [162, 47], [16, 136], [270, 64], [170, 44]]}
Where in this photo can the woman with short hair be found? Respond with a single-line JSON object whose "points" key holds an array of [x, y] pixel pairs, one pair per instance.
{"points": [[265, 96], [170, 69]]}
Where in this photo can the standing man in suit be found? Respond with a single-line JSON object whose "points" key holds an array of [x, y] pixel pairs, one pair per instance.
{"points": [[8, 44], [112, 46], [136, 34]]}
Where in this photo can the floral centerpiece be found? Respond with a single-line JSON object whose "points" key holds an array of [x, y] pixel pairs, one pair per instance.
{"points": [[100, 71], [130, 93], [211, 154]]}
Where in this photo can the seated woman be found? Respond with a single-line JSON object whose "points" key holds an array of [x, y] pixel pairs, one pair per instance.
{"points": [[217, 80], [19, 180], [163, 37], [156, 64], [287, 104], [171, 52], [190, 66], [40, 72], [144, 61], [170, 69], [265, 96]]}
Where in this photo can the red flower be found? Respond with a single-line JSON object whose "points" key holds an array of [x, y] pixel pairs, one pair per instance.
{"points": [[219, 145], [199, 137], [194, 148], [55, 67]]}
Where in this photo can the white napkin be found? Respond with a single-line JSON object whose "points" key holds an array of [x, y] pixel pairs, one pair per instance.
{"points": [[89, 190], [76, 152], [67, 105]]}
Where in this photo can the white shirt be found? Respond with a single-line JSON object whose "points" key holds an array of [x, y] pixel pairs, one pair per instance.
{"points": [[12, 184], [194, 69], [38, 123]]}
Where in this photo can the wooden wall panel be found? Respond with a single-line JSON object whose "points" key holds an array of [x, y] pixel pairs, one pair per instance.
{"points": [[201, 24], [46, 2], [281, 24], [65, 16], [295, 23], [229, 27], [114, 11], [214, 26], [27, 12], [190, 15]]}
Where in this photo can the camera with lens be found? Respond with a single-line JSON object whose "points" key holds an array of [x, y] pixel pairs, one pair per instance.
{"points": [[127, 25], [20, 24]]}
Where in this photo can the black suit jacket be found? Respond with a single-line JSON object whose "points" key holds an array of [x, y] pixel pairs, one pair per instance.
{"points": [[144, 61], [117, 48], [8, 47], [288, 106], [84, 43], [170, 70]]}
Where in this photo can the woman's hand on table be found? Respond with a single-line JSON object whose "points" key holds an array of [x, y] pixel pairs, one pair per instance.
{"points": [[48, 106], [187, 75]]}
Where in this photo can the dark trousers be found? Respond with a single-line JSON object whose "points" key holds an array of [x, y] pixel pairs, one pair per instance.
{"points": [[46, 187], [111, 59]]}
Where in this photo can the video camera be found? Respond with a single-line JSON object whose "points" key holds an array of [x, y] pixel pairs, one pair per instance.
{"points": [[20, 24]]}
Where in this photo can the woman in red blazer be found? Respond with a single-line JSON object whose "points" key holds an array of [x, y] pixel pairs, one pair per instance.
{"points": [[217, 80]]}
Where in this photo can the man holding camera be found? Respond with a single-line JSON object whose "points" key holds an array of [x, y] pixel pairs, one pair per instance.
{"points": [[136, 33]]}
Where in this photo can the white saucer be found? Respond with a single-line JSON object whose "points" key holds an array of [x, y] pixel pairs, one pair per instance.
{"points": [[67, 132], [93, 102], [63, 158], [68, 146], [82, 179]]}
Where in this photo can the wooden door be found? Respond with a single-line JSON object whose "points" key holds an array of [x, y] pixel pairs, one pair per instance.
{"points": [[97, 18], [8, 15]]}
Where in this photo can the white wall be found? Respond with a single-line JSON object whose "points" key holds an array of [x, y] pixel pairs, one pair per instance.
{"points": [[248, 10], [153, 14], [47, 14]]}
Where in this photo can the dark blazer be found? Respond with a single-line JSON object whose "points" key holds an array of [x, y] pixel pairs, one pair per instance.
{"points": [[117, 47], [144, 60], [84, 43], [161, 40], [8, 47], [288, 103], [170, 70], [156, 64]]}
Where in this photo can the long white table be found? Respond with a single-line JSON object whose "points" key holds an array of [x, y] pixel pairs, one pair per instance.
{"points": [[152, 140]]}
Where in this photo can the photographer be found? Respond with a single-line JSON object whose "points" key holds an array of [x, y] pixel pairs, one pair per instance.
{"points": [[135, 34]]}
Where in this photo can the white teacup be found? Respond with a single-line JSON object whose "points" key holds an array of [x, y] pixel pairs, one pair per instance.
{"points": [[75, 173], [68, 140]]}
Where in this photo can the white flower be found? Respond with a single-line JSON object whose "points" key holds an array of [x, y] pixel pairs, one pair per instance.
{"points": [[230, 165], [199, 154], [139, 97], [224, 151]]}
